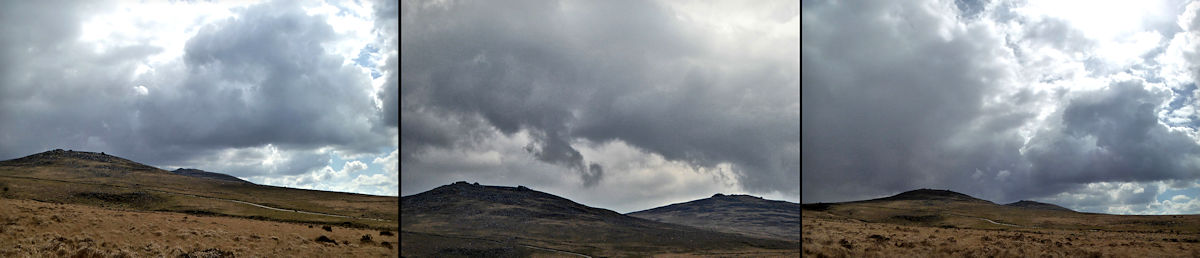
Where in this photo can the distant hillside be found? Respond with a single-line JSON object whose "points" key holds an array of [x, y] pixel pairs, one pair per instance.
{"points": [[1037, 205], [931, 194], [743, 214], [943, 208], [510, 218], [205, 174]]}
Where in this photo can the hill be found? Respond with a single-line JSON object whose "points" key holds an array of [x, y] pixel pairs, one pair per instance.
{"points": [[941, 223], [1037, 205], [932, 195], [742, 214], [210, 175], [107, 181], [477, 220], [944, 208]]}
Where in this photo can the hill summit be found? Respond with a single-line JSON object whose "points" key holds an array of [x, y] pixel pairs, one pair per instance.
{"points": [[76, 159], [931, 195]]}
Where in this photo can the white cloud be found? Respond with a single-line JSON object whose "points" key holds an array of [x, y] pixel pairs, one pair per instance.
{"points": [[389, 162], [353, 166], [1180, 198]]}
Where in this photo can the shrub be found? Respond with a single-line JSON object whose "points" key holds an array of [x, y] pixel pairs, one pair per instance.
{"points": [[325, 239], [327, 228]]}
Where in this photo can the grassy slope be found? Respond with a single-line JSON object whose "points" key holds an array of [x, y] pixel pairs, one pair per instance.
{"points": [[70, 179], [740, 214]]}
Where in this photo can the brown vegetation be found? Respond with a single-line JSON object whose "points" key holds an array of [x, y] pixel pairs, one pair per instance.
{"points": [[37, 229], [823, 237]]}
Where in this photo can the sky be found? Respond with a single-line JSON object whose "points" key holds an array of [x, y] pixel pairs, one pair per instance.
{"points": [[622, 105], [287, 93], [1090, 105]]}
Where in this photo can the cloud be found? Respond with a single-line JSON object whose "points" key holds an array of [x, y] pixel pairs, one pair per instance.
{"points": [[1113, 135], [1004, 100], [256, 90], [354, 166], [661, 79], [263, 73], [883, 120]]}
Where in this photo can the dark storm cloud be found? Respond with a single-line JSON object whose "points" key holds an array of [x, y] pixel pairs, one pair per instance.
{"points": [[266, 74], [883, 101], [259, 79], [54, 91], [925, 99], [386, 21], [599, 71]]}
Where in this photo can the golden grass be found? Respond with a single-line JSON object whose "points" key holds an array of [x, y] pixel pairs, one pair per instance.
{"points": [[58, 183], [38, 229], [827, 236]]}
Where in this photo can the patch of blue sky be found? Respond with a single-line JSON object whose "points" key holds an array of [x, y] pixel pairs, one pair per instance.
{"points": [[1190, 192], [366, 60]]}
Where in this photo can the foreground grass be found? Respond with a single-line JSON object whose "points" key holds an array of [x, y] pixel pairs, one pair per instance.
{"points": [[38, 229], [840, 237]]}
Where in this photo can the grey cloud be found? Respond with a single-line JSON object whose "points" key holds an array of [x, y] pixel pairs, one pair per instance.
{"points": [[555, 150], [1114, 135], [56, 92], [889, 107], [261, 78], [1103, 197], [387, 19], [570, 70], [970, 8], [265, 75]]}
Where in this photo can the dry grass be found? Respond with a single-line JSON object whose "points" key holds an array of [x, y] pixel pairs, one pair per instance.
{"points": [[62, 183], [839, 237], [31, 228]]}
